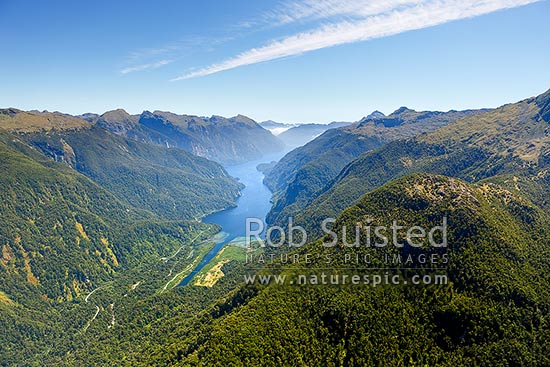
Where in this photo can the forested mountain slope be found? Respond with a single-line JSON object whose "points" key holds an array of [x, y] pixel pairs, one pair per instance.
{"points": [[62, 233], [81, 208], [306, 170], [169, 181], [510, 144], [492, 311]]}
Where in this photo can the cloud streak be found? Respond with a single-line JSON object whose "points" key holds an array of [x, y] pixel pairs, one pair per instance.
{"points": [[368, 22], [153, 65], [153, 58], [296, 11]]}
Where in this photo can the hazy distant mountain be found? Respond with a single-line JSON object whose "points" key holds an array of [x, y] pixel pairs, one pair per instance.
{"points": [[273, 124], [225, 140], [295, 135], [303, 133], [276, 128]]}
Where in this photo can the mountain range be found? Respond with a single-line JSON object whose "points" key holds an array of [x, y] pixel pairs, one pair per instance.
{"points": [[303, 172], [224, 140], [99, 217], [275, 127], [303, 133], [508, 145], [74, 193], [487, 173]]}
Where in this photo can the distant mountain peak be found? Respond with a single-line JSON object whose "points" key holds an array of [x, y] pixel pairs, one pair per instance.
{"points": [[118, 114], [244, 119], [376, 115], [118, 110], [89, 116], [277, 128], [271, 123], [117, 121], [402, 110]]}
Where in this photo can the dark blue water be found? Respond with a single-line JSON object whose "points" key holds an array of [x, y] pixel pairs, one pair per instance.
{"points": [[254, 202]]}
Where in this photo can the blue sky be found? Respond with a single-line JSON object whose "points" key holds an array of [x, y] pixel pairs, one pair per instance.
{"points": [[288, 60]]}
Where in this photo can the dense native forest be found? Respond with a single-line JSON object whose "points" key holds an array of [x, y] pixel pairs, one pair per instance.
{"points": [[86, 210], [82, 208]]}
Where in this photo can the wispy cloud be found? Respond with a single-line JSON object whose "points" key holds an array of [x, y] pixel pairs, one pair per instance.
{"points": [[370, 20], [153, 65], [295, 11], [156, 57]]}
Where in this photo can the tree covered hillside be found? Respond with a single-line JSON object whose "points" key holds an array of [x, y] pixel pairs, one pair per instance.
{"points": [[493, 311], [81, 208], [169, 181], [510, 145], [305, 171]]}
